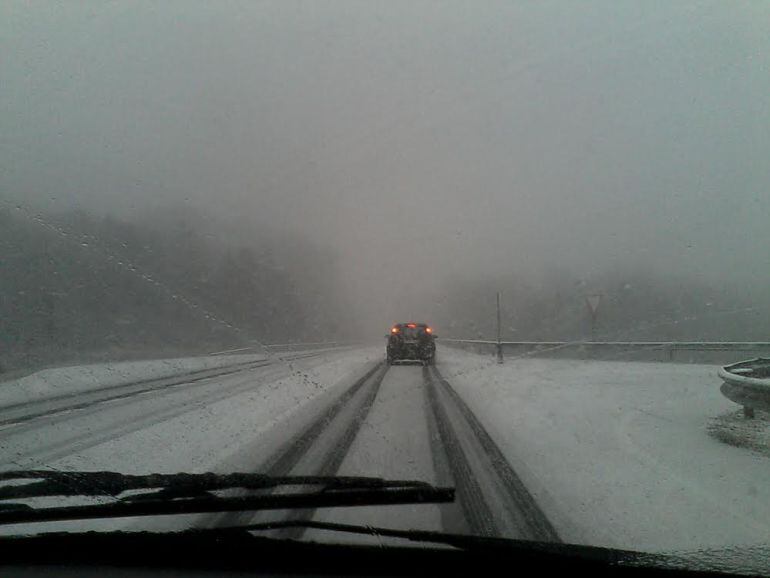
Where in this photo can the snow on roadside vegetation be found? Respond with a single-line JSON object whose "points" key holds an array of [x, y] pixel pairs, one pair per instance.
{"points": [[618, 453]]}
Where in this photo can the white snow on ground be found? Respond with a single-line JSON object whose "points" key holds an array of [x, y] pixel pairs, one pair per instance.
{"points": [[618, 453], [212, 437], [733, 428], [382, 450], [66, 380], [234, 434]]}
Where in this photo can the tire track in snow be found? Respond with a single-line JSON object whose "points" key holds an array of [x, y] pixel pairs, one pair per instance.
{"points": [[18, 450], [319, 448], [476, 510], [22, 413], [493, 498]]}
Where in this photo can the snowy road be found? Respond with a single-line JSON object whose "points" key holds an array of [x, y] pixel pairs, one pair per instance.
{"points": [[41, 431], [585, 452]]}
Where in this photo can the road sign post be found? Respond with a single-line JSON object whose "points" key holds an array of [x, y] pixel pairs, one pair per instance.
{"points": [[592, 301], [499, 333]]}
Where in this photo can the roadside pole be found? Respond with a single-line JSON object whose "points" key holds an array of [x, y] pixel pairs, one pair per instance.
{"points": [[499, 333], [592, 301]]}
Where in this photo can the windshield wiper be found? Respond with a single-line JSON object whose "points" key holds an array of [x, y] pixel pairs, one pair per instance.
{"points": [[173, 494], [461, 541], [206, 541]]}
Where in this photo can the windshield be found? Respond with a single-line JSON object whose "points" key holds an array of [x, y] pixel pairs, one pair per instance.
{"points": [[211, 213]]}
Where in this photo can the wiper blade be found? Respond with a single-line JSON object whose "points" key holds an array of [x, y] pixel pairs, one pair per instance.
{"points": [[234, 548], [173, 494], [547, 551], [462, 541], [78, 483]]}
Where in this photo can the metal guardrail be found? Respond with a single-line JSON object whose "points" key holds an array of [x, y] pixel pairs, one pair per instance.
{"points": [[230, 351], [308, 345], [747, 383], [594, 348], [287, 347]]}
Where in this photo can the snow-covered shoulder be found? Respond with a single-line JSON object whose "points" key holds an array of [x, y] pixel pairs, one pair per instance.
{"points": [[618, 453], [61, 381]]}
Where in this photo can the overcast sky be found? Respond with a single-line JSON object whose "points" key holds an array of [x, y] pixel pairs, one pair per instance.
{"points": [[421, 140]]}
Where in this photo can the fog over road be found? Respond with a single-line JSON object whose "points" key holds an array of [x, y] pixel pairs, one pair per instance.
{"points": [[439, 144]]}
